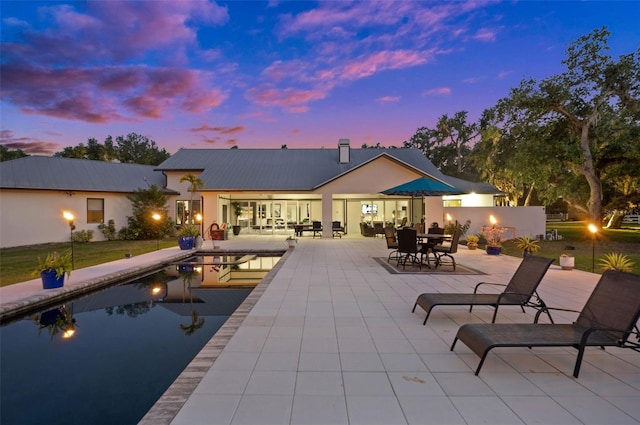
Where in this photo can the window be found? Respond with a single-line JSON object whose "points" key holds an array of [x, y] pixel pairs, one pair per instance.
{"points": [[183, 215], [452, 203], [95, 210]]}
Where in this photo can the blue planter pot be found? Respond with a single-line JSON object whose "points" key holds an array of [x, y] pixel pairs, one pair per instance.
{"points": [[494, 250], [50, 281], [185, 242]]}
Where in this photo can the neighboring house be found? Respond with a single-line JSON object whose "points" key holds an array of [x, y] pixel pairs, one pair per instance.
{"points": [[36, 190]]}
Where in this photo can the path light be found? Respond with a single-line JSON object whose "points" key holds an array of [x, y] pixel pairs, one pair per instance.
{"points": [[493, 220], [449, 218], [69, 217], [157, 218], [199, 221], [594, 231]]}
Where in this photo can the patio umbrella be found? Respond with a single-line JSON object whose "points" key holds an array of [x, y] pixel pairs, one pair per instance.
{"points": [[423, 187]]}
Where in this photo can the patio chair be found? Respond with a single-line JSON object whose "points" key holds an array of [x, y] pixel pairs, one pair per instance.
{"points": [[607, 320], [316, 226], [337, 229], [408, 248], [445, 251], [521, 290], [392, 243]]}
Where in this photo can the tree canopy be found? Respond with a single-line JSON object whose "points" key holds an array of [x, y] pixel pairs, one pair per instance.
{"points": [[133, 149]]}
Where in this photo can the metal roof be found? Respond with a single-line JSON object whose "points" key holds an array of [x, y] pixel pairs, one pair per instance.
{"points": [[471, 187], [53, 173], [284, 169]]}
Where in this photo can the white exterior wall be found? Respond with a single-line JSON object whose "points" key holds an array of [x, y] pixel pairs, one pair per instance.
{"points": [[525, 221], [30, 217]]}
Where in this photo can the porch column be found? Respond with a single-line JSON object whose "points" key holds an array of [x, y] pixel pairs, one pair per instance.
{"points": [[327, 216]]}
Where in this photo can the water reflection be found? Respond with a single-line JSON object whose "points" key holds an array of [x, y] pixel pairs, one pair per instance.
{"points": [[57, 320]]}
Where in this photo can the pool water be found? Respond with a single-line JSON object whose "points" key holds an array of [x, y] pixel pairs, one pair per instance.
{"points": [[130, 342]]}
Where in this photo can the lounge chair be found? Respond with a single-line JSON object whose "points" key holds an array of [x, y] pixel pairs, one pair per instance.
{"points": [[519, 291], [608, 319]]}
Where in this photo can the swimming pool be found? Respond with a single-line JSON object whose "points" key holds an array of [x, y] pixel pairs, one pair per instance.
{"points": [[130, 343]]}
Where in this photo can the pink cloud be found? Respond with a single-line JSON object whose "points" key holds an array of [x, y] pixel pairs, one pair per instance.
{"points": [[101, 95], [388, 99], [485, 34], [381, 61], [439, 91], [503, 74], [290, 99], [82, 65]]}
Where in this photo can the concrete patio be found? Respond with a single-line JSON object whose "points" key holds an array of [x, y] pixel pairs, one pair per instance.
{"points": [[329, 338]]}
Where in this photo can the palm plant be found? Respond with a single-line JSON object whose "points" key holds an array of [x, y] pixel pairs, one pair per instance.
{"points": [[195, 183]]}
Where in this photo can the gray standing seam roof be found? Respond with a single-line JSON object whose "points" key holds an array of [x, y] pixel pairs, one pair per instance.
{"points": [[69, 174], [283, 169]]}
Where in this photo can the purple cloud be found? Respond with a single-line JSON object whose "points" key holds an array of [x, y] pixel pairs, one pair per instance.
{"points": [[88, 66], [28, 145]]}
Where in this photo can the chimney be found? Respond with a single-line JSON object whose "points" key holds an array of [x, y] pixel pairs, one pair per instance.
{"points": [[344, 151]]}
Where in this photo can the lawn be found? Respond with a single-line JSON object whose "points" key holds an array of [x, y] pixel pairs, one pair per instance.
{"points": [[577, 242], [16, 264]]}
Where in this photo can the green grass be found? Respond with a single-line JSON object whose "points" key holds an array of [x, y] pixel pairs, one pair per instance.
{"points": [[16, 264], [575, 234]]}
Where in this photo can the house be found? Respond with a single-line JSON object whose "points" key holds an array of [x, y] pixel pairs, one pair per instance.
{"points": [[36, 190], [275, 190]]}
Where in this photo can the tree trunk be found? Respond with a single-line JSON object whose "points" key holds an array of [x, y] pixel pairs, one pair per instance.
{"points": [[527, 200], [588, 171]]}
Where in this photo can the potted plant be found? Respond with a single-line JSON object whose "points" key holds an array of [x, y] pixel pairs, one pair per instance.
{"points": [[472, 241], [567, 262], [53, 268], [291, 241], [237, 210], [187, 235], [493, 236], [527, 245]]}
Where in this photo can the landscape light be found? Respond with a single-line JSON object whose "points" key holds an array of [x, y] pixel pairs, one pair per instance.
{"points": [[69, 217], [594, 230], [157, 218]]}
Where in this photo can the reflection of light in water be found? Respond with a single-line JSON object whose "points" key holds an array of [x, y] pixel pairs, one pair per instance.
{"points": [[69, 332]]}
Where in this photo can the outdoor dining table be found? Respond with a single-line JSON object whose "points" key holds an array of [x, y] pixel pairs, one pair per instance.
{"points": [[428, 236], [422, 236]]}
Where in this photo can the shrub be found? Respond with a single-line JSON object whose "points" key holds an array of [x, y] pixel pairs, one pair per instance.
{"points": [[82, 235], [108, 230], [616, 261]]}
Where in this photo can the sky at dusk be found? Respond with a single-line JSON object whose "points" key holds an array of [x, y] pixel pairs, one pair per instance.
{"points": [[261, 74]]}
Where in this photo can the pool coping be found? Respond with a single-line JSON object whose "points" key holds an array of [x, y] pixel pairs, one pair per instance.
{"points": [[169, 404]]}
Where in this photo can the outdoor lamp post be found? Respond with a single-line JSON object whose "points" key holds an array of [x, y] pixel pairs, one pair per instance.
{"points": [[594, 230], [157, 218], [69, 217], [199, 221]]}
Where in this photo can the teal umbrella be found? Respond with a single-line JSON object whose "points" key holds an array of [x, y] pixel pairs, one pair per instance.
{"points": [[423, 186]]}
